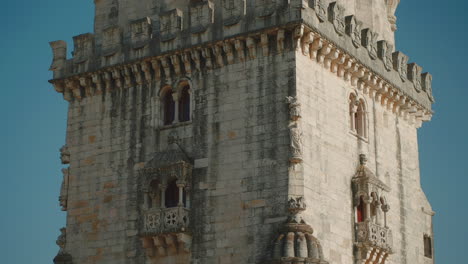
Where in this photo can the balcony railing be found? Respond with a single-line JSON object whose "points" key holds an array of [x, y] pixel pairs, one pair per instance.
{"points": [[166, 220], [373, 235]]}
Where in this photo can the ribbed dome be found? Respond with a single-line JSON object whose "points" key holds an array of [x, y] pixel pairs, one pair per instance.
{"points": [[295, 244]]}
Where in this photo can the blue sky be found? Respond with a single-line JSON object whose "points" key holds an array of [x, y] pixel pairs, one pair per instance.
{"points": [[432, 33]]}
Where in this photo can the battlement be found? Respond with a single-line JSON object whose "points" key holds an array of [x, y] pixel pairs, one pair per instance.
{"points": [[204, 36]]}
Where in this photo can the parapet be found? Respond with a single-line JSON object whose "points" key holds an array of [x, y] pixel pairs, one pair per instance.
{"points": [[208, 34]]}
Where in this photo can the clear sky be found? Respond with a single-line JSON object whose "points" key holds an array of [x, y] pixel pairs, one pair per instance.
{"points": [[432, 32]]}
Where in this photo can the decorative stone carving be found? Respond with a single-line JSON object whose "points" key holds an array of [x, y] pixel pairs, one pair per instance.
{"points": [[427, 85], [201, 17], [414, 75], [400, 64], [353, 29], [294, 108], [166, 220], [295, 243], [392, 5], [111, 40], [233, 11], [170, 24], [385, 50], [63, 198], [64, 155], [336, 16], [369, 41], [140, 32], [265, 8], [296, 143], [84, 47], [62, 256], [59, 50], [320, 7]]}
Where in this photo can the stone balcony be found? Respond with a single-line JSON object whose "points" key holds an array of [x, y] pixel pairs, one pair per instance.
{"points": [[165, 231], [373, 235]]}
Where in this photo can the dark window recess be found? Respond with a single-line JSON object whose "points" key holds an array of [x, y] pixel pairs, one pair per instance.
{"points": [[169, 108], [172, 195], [427, 246], [360, 211], [184, 105]]}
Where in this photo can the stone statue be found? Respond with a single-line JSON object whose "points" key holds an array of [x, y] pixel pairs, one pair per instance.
{"points": [[296, 144], [294, 108]]}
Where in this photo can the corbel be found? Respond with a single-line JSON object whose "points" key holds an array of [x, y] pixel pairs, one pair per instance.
{"points": [[227, 47], [107, 80], [85, 82], [176, 64], [67, 94], [218, 53], [333, 55], [156, 69], [166, 65], [358, 74], [117, 77], [195, 54], [264, 44], [137, 73], [75, 88], [206, 53], [280, 40], [324, 51], [345, 66], [336, 64], [59, 86], [315, 46], [298, 41], [145, 67], [307, 39], [187, 62], [96, 78], [251, 47], [127, 76], [240, 49]]}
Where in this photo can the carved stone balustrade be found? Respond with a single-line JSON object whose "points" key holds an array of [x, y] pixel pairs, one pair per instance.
{"points": [[166, 220], [369, 234]]}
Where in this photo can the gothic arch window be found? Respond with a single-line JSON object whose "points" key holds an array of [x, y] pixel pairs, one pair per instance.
{"points": [[184, 104], [168, 107], [427, 246], [360, 210], [358, 116]]}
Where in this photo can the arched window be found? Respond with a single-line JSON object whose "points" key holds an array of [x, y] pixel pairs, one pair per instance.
{"points": [[357, 116], [184, 104], [360, 210], [172, 195], [168, 108]]}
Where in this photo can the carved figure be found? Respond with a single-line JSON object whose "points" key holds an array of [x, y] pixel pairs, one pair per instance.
{"points": [[296, 144], [294, 108]]}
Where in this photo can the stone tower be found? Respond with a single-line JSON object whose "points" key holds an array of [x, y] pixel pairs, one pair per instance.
{"points": [[235, 131]]}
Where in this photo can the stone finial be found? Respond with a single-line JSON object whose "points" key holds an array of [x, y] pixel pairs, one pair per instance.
{"points": [[369, 41], [59, 51], [336, 16], [320, 7], [400, 62], [414, 75], [62, 257], [353, 29], [427, 85], [392, 5]]}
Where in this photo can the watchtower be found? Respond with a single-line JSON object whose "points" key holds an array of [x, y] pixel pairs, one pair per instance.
{"points": [[234, 131]]}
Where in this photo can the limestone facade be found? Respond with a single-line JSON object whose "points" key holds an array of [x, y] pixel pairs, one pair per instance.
{"points": [[199, 130]]}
